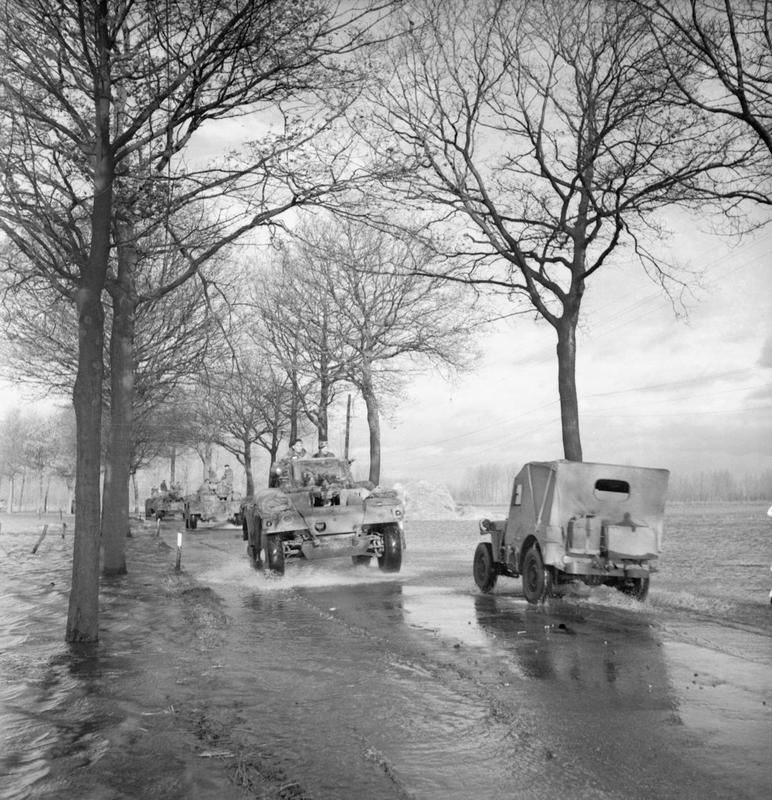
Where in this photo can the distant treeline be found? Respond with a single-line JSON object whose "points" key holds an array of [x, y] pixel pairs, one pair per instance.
{"points": [[492, 483]]}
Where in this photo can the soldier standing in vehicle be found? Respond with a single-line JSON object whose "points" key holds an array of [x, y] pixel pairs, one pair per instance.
{"points": [[225, 486], [296, 449], [323, 452]]}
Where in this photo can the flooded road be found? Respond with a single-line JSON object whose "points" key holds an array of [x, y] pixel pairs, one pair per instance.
{"points": [[338, 682]]}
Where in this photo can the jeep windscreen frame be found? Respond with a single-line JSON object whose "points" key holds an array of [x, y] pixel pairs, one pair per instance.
{"points": [[313, 471]]}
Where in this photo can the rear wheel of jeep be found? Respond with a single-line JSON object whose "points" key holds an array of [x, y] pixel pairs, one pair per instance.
{"points": [[391, 560], [537, 580], [637, 588], [274, 554], [483, 569]]}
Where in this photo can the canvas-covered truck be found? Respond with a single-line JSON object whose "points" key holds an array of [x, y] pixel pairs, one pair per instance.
{"points": [[569, 521], [313, 509]]}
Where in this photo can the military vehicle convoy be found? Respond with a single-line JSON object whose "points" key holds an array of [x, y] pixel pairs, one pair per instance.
{"points": [[569, 521], [313, 509]]}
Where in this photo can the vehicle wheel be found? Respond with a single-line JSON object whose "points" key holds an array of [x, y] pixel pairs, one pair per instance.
{"points": [[253, 553], [274, 554], [391, 560], [193, 522], [483, 569], [360, 561], [537, 579], [159, 514], [637, 588]]}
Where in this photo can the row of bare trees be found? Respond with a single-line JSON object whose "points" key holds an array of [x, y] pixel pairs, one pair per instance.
{"points": [[100, 102], [330, 312], [528, 144], [492, 483], [36, 448]]}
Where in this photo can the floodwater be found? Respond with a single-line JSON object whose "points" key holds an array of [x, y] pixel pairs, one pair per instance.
{"points": [[337, 682]]}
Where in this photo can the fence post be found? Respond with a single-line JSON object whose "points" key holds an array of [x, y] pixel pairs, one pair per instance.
{"points": [[179, 552], [42, 536]]}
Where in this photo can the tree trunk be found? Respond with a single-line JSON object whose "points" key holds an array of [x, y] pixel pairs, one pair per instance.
{"points": [[374, 427], [83, 610], [248, 467], [135, 491], [207, 462], [115, 517], [83, 613], [569, 405], [172, 466]]}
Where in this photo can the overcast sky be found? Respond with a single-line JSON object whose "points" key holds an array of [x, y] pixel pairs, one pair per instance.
{"points": [[685, 394]]}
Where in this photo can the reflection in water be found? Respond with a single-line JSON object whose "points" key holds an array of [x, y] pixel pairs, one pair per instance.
{"points": [[579, 650]]}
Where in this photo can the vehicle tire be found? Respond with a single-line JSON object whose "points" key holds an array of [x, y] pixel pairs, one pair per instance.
{"points": [[483, 568], [391, 560], [360, 561], [537, 579], [253, 553], [193, 522], [159, 514], [637, 588], [274, 553]]}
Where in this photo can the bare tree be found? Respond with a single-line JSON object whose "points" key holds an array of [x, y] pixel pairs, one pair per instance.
{"points": [[728, 46], [545, 138], [388, 318], [301, 326], [246, 406], [14, 433], [40, 452]]}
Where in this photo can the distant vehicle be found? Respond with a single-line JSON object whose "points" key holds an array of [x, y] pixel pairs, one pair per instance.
{"points": [[314, 509], [164, 505], [570, 521], [212, 503]]}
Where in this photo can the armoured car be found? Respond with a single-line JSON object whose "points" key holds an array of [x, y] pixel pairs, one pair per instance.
{"points": [[209, 504], [164, 505], [568, 521], [313, 509]]}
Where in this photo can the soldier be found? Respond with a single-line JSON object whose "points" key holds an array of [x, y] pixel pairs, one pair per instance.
{"points": [[296, 449], [225, 486], [323, 452]]}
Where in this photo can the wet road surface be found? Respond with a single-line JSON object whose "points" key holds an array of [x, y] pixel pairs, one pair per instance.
{"points": [[359, 684]]}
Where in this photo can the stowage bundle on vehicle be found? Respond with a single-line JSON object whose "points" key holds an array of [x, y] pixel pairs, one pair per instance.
{"points": [[272, 501]]}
